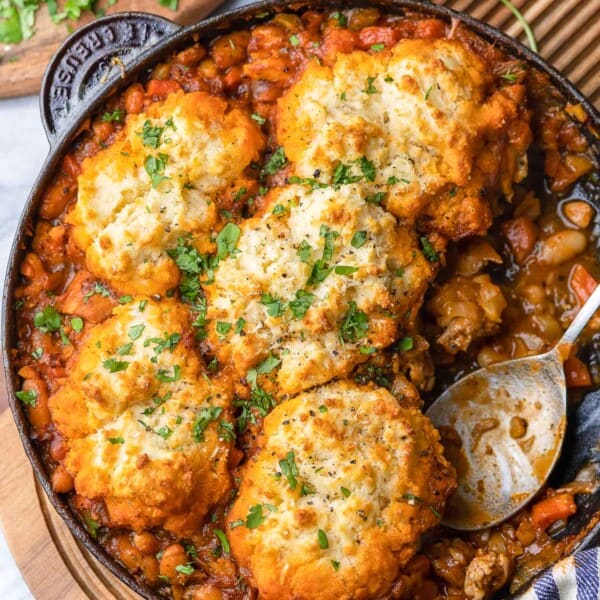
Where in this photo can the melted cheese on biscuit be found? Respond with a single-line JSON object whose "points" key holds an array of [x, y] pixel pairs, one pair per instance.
{"points": [[156, 183], [141, 421], [321, 279], [335, 501], [420, 113]]}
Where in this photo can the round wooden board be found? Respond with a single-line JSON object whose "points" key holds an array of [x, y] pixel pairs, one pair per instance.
{"points": [[54, 565]]}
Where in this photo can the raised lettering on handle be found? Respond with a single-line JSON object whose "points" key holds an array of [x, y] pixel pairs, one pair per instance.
{"points": [[92, 59]]}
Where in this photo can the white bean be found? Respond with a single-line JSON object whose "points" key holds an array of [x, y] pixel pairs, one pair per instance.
{"points": [[562, 247]]}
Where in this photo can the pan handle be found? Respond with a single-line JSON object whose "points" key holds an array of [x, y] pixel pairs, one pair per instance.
{"points": [[92, 60]]}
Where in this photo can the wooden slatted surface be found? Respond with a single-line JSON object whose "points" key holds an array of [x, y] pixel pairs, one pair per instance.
{"points": [[53, 564], [567, 33]]}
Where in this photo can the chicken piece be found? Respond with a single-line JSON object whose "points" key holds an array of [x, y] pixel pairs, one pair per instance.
{"points": [[335, 502], [486, 574], [466, 309], [443, 143], [159, 181]]}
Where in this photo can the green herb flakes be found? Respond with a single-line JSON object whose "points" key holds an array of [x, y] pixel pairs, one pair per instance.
{"points": [[323, 541], [355, 324], [205, 417], [359, 239], [28, 397], [112, 365], [227, 240], [289, 469], [223, 541], [428, 250]]}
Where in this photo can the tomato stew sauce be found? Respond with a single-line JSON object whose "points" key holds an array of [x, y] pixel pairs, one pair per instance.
{"points": [[541, 251]]}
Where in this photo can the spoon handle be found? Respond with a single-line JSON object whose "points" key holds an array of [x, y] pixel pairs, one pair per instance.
{"points": [[583, 316]]}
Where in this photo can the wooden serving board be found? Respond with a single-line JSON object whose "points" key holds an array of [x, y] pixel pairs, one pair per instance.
{"points": [[22, 66], [54, 565], [567, 33]]}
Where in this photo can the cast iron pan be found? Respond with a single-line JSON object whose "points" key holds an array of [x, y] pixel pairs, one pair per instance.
{"points": [[109, 52]]}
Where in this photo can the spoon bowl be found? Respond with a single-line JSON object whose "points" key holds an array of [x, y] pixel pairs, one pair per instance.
{"points": [[503, 428]]}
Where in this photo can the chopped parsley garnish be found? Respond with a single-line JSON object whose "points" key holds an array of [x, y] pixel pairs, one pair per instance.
{"points": [[116, 440], [378, 47], [164, 432], [227, 240], [312, 183], [279, 210], [392, 180], [151, 135], [319, 273], [113, 116], [428, 92], [184, 569], [367, 350], [342, 174], [167, 343], [114, 366], [77, 324], [48, 320], [323, 409], [135, 331], [335, 564], [345, 491], [304, 251], [205, 417], [155, 167], [376, 198], [163, 374], [301, 304], [191, 264], [510, 76], [294, 41], [266, 366], [370, 88], [239, 325], [275, 163], [435, 512], [289, 469], [256, 517], [323, 541], [226, 431], [222, 328], [223, 541], [359, 239], [260, 120], [340, 18], [90, 524], [405, 344], [125, 349], [367, 168], [28, 397], [275, 306], [428, 250], [125, 299], [355, 324], [345, 270], [37, 353]]}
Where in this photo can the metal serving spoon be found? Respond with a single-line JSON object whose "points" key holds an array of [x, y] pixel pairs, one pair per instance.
{"points": [[503, 428]]}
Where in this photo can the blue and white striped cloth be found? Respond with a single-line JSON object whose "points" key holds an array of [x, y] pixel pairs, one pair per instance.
{"points": [[574, 578]]}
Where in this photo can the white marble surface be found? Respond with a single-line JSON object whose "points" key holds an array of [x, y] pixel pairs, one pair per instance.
{"points": [[22, 153]]}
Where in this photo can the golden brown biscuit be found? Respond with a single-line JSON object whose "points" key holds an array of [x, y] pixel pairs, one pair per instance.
{"points": [[333, 504]]}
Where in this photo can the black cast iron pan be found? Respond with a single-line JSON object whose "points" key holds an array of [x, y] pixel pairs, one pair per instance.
{"points": [[108, 53]]}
